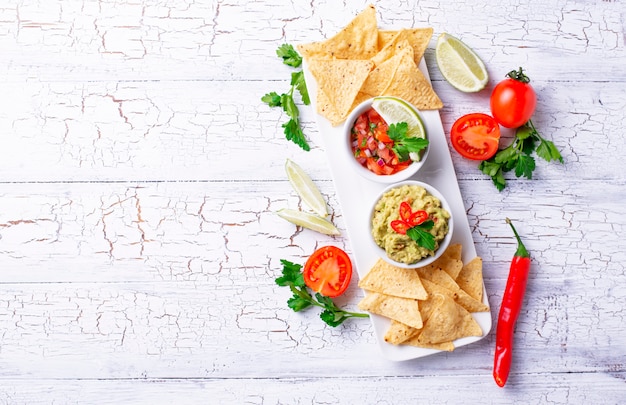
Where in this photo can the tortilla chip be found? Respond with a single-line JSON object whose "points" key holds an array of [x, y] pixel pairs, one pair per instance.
{"points": [[391, 280], [325, 107], [454, 251], [399, 332], [440, 282], [405, 310], [449, 261], [417, 37], [396, 45], [470, 279], [448, 322], [414, 341], [338, 84], [381, 76], [410, 84], [358, 40]]}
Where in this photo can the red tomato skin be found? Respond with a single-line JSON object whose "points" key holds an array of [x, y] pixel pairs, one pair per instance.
{"points": [[475, 136], [513, 103], [324, 260]]}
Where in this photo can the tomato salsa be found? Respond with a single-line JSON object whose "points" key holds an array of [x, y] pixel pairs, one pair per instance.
{"points": [[372, 147]]}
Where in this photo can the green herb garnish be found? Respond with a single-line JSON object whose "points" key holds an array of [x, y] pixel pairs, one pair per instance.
{"points": [[404, 145], [518, 156], [302, 298], [421, 236], [292, 129]]}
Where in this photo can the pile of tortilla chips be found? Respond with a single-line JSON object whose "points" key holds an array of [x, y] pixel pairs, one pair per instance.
{"points": [[361, 62], [429, 307]]}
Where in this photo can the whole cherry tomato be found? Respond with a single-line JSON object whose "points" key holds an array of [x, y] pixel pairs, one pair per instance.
{"points": [[513, 100]]}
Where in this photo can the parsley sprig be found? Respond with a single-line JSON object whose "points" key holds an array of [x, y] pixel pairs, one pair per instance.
{"points": [[404, 145], [518, 156], [421, 236], [292, 129], [292, 277]]}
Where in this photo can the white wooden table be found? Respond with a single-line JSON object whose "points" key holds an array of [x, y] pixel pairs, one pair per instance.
{"points": [[140, 174]]}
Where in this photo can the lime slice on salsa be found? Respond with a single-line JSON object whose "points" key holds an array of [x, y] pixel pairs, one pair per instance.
{"points": [[309, 221], [394, 110], [306, 189], [460, 65]]}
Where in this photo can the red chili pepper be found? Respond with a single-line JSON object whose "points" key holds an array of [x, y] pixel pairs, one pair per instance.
{"points": [[408, 218], [509, 310]]}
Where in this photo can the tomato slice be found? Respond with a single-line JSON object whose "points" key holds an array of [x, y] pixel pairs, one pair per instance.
{"points": [[475, 136], [328, 271]]}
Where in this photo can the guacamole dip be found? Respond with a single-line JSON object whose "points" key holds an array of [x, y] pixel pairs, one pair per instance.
{"points": [[400, 247]]}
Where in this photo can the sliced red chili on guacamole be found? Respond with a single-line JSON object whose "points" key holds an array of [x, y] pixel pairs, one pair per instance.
{"points": [[371, 145]]}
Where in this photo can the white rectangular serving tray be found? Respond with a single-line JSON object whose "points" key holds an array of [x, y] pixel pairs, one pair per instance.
{"points": [[356, 196]]}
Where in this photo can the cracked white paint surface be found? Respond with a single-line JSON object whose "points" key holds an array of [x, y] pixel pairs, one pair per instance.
{"points": [[140, 173]]}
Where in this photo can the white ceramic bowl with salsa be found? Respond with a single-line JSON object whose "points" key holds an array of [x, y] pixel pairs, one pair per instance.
{"points": [[400, 250], [382, 164]]}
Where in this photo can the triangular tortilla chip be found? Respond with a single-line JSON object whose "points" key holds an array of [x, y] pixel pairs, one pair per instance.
{"points": [[397, 44], [399, 332], [410, 84], [405, 310], [414, 341], [440, 282], [358, 40], [448, 322], [391, 280], [470, 279], [449, 261], [338, 83], [380, 77], [325, 107], [419, 39]]}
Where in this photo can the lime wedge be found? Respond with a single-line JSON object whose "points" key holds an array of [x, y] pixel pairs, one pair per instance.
{"points": [[309, 221], [306, 189], [460, 65], [394, 110]]}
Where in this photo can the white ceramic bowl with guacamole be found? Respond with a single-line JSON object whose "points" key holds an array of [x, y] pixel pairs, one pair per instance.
{"points": [[368, 147], [410, 224]]}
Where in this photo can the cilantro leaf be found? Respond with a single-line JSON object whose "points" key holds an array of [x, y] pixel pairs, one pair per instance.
{"points": [[493, 170], [289, 106], [272, 99], [297, 80], [528, 145], [505, 155], [404, 145], [421, 236], [547, 151], [398, 131], [298, 303], [289, 55], [525, 166], [292, 274], [294, 133]]}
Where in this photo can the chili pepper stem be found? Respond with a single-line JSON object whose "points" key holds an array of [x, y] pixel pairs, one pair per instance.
{"points": [[521, 249]]}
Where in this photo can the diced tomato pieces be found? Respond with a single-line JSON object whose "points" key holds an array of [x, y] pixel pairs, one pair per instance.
{"points": [[368, 133], [386, 154]]}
